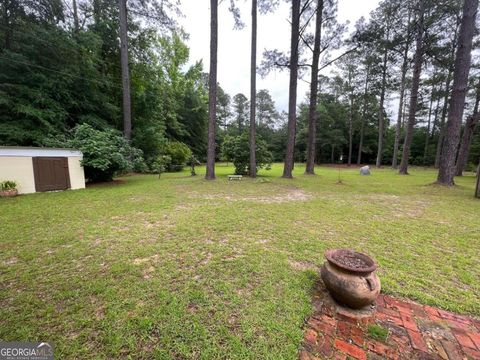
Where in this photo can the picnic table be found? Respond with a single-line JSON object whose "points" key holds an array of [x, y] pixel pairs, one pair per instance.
{"points": [[234, 177]]}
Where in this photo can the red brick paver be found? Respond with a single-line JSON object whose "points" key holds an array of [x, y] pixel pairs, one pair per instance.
{"points": [[415, 332]]}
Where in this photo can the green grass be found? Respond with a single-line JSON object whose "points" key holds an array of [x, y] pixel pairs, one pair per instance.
{"points": [[185, 268], [377, 332]]}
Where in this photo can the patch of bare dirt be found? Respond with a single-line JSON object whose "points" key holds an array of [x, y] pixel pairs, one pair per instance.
{"points": [[302, 265], [139, 261], [206, 259], [147, 273], [11, 261], [287, 196]]}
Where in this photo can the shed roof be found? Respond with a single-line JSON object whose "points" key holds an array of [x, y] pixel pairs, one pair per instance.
{"points": [[38, 151]]}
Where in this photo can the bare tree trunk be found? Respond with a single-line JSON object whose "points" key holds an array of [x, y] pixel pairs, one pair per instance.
{"points": [[312, 110], [463, 59], [435, 119], [350, 130], [477, 188], [364, 112], [76, 23], [417, 69], [427, 136], [6, 24], [253, 92], [127, 112], [212, 90], [441, 134], [470, 126], [292, 97], [405, 107], [398, 127], [381, 120]]}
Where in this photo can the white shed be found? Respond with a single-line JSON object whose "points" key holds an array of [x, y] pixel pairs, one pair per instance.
{"points": [[42, 169]]}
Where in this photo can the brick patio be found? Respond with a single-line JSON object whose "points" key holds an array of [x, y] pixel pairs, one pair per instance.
{"points": [[414, 332]]}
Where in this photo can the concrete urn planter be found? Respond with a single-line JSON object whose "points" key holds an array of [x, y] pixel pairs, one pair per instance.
{"points": [[8, 193], [350, 278]]}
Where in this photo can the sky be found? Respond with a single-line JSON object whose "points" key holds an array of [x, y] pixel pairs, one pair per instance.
{"points": [[234, 45]]}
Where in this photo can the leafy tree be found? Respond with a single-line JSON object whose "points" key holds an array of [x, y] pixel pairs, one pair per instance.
{"points": [[105, 153], [266, 113], [237, 149], [240, 111], [179, 154]]}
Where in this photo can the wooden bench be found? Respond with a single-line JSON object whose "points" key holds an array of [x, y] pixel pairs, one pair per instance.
{"points": [[234, 177]]}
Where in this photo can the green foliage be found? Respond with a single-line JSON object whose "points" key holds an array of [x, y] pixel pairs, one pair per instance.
{"points": [[105, 153], [8, 185], [161, 164], [237, 149], [193, 161], [53, 79], [377, 332], [179, 153], [228, 148]]}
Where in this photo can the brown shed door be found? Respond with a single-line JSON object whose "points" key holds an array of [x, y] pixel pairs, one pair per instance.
{"points": [[51, 173]]}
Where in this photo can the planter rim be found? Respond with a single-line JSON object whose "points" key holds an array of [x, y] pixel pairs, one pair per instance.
{"points": [[331, 255], [8, 192]]}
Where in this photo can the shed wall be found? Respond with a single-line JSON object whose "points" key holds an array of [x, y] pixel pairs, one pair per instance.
{"points": [[20, 170], [77, 176]]}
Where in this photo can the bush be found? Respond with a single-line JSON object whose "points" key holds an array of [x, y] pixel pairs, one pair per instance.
{"points": [[161, 164], [237, 149], [179, 153], [105, 153], [8, 185]]}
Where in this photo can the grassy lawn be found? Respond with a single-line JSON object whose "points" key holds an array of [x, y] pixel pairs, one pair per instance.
{"points": [[184, 268]]}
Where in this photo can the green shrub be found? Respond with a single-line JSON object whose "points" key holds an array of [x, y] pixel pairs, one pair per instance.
{"points": [[161, 164], [237, 149], [8, 185], [471, 167], [105, 153], [179, 154]]}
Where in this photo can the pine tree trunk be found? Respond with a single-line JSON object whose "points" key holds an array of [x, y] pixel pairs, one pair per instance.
{"points": [[6, 25], [292, 96], [312, 110], [253, 92], [441, 134], [364, 113], [350, 131], [435, 119], [381, 120], [417, 69], [463, 57], [470, 126], [398, 127], [212, 90], [127, 113], [427, 135], [76, 23], [477, 188]]}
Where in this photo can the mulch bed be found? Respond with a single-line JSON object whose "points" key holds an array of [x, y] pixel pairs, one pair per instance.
{"points": [[415, 331]]}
